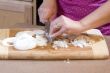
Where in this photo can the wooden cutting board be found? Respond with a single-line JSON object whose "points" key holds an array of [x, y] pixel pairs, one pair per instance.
{"points": [[98, 50]]}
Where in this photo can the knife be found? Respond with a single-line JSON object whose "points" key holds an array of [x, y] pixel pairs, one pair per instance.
{"points": [[47, 29]]}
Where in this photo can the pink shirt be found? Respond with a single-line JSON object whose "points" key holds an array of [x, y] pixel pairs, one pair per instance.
{"points": [[78, 9]]}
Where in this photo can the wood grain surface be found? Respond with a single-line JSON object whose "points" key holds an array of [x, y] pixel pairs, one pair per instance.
{"points": [[99, 50], [15, 12]]}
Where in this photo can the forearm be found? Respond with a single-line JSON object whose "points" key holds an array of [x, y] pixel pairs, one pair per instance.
{"points": [[97, 18], [49, 1]]}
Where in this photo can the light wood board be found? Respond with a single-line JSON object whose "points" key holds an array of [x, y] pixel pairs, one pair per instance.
{"points": [[99, 50]]}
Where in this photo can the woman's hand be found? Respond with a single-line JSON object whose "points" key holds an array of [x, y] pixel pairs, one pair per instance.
{"points": [[65, 25], [47, 11]]}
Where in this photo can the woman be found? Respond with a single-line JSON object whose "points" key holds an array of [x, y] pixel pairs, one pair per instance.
{"points": [[75, 16]]}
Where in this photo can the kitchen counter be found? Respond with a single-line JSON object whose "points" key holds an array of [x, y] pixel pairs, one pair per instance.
{"points": [[63, 66]]}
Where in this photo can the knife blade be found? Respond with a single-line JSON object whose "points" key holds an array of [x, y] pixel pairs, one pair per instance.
{"points": [[47, 30], [47, 27]]}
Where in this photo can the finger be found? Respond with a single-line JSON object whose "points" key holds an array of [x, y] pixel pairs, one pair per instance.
{"points": [[43, 16], [52, 28], [43, 20], [60, 32], [46, 14], [55, 25], [40, 12]]}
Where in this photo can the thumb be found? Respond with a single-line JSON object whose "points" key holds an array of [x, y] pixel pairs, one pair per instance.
{"points": [[60, 32]]}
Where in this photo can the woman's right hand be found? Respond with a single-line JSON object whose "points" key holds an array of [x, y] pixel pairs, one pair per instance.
{"points": [[47, 11]]}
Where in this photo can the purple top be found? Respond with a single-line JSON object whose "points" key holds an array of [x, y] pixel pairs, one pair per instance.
{"points": [[78, 9]]}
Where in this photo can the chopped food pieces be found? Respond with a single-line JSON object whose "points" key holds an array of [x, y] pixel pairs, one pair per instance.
{"points": [[41, 41], [60, 44], [80, 43], [26, 40]]}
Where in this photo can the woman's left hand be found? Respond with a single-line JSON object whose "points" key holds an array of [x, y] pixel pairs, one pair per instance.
{"points": [[63, 24]]}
